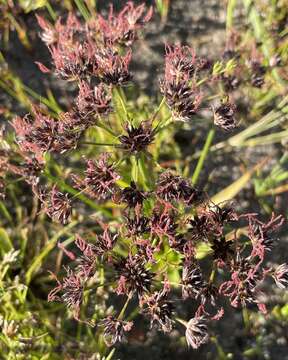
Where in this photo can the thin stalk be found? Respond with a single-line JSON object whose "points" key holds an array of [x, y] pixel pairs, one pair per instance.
{"points": [[51, 11], [110, 355], [122, 312], [158, 109], [166, 122], [246, 320], [229, 16], [121, 100], [203, 156], [181, 321], [98, 144], [83, 9], [52, 106], [107, 129]]}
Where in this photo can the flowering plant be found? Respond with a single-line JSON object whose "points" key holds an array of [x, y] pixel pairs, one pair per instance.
{"points": [[154, 220]]}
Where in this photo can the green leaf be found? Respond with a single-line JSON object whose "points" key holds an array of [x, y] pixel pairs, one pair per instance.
{"points": [[202, 250], [29, 5], [5, 242], [37, 261], [233, 189]]}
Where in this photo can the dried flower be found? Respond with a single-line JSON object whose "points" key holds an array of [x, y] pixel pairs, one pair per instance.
{"points": [[260, 234], [257, 74], [192, 280], [71, 290], [122, 29], [138, 225], [280, 275], [175, 188], [133, 276], [181, 67], [55, 204], [163, 224], [96, 101], [113, 69], [242, 286], [224, 116], [74, 60], [159, 309], [196, 332], [100, 178], [221, 249], [73, 122], [114, 329], [42, 134], [49, 36], [137, 138], [179, 61], [132, 196], [183, 101], [178, 242], [231, 82]]}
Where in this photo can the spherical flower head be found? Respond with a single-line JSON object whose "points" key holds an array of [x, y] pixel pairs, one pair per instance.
{"points": [[137, 225], [113, 69], [196, 332], [122, 28], [280, 276], [224, 116], [159, 309], [137, 138], [133, 275], [182, 99], [171, 187], [96, 101], [55, 204], [100, 179], [114, 329], [192, 280], [69, 291]]}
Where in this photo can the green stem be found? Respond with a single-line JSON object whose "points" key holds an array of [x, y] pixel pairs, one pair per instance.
{"points": [[158, 109], [110, 355], [203, 155], [246, 320], [181, 321], [120, 316], [98, 144], [83, 9], [229, 17], [51, 11], [104, 127]]}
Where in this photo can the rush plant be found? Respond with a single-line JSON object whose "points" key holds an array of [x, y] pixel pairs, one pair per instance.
{"points": [[136, 229]]}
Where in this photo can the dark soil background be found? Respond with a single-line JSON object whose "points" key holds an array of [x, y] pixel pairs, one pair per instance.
{"points": [[200, 24]]}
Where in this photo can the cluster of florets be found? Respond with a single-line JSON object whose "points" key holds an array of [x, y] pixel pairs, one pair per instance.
{"points": [[181, 87], [92, 49], [172, 214], [149, 230], [96, 55]]}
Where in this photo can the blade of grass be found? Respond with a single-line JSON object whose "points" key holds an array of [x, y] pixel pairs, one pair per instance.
{"points": [[51, 11], [5, 242], [261, 35], [83, 9], [203, 156], [229, 15], [267, 139], [233, 189], [37, 261], [65, 187], [120, 105]]}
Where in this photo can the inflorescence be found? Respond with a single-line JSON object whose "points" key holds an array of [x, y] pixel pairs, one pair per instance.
{"points": [[173, 214]]}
